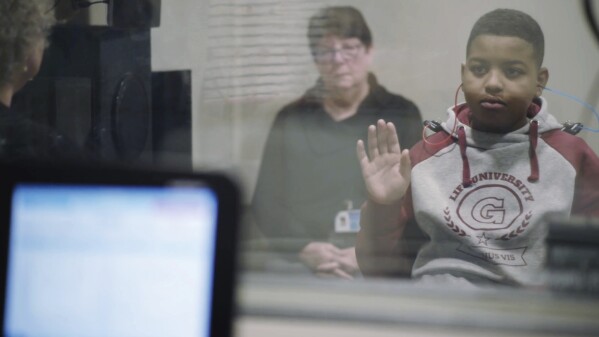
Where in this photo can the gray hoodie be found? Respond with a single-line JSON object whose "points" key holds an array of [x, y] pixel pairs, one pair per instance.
{"points": [[482, 200]]}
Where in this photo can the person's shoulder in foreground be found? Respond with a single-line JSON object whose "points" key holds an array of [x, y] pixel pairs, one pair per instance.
{"points": [[24, 27], [482, 189]]}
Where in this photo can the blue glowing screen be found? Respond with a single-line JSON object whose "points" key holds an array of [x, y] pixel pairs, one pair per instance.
{"points": [[110, 261]]}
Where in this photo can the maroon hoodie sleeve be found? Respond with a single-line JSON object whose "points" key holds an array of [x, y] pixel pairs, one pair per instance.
{"points": [[586, 164], [586, 195], [381, 249]]}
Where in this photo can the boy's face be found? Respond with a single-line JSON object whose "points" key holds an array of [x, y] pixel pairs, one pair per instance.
{"points": [[500, 80]]}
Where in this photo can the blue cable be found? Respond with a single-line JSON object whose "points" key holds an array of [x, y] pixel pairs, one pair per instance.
{"points": [[579, 101]]}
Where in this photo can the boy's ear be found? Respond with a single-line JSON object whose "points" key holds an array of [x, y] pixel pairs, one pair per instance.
{"points": [[462, 71], [542, 79]]}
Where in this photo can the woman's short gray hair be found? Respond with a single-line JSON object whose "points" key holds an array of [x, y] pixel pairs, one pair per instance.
{"points": [[22, 23]]}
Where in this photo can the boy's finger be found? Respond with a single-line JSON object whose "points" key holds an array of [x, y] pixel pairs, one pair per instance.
{"points": [[382, 135], [392, 139], [405, 165], [373, 147], [361, 153]]}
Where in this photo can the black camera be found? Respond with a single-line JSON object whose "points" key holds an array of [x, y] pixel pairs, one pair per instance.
{"points": [[134, 13], [126, 14]]}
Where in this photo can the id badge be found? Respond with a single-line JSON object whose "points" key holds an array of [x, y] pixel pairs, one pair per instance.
{"points": [[347, 221]]}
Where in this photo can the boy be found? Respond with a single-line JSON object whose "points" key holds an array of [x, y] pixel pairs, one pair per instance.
{"points": [[483, 186]]}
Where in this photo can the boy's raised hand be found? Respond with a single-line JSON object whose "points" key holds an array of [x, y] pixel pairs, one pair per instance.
{"points": [[386, 169]]}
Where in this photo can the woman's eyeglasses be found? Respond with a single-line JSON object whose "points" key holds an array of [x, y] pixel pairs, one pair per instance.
{"points": [[347, 53]]}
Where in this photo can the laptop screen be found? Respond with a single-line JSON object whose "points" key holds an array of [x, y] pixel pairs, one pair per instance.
{"points": [[101, 260]]}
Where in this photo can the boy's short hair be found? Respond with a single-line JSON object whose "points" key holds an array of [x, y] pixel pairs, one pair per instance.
{"points": [[342, 21], [510, 22]]}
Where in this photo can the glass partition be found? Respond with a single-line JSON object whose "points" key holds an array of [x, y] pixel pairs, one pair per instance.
{"points": [[497, 224]]}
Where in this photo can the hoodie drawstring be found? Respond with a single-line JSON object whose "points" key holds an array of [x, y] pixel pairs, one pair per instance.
{"points": [[533, 135], [466, 181]]}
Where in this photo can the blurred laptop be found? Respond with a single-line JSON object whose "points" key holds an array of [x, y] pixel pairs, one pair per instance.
{"points": [[117, 252]]}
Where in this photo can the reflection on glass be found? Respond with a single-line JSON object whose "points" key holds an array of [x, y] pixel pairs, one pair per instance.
{"points": [[311, 76]]}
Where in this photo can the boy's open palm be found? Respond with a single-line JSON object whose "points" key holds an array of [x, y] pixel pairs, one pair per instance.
{"points": [[386, 169]]}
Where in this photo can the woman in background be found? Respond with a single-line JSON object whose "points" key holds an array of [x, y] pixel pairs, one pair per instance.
{"points": [[309, 174]]}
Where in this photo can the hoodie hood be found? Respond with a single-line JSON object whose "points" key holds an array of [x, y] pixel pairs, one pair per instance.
{"points": [[538, 111], [540, 121]]}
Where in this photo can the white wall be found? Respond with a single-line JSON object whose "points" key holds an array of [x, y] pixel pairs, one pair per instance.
{"points": [[420, 45]]}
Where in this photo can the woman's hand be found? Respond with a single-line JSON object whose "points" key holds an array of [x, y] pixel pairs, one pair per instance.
{"points": [[327, 260]]}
